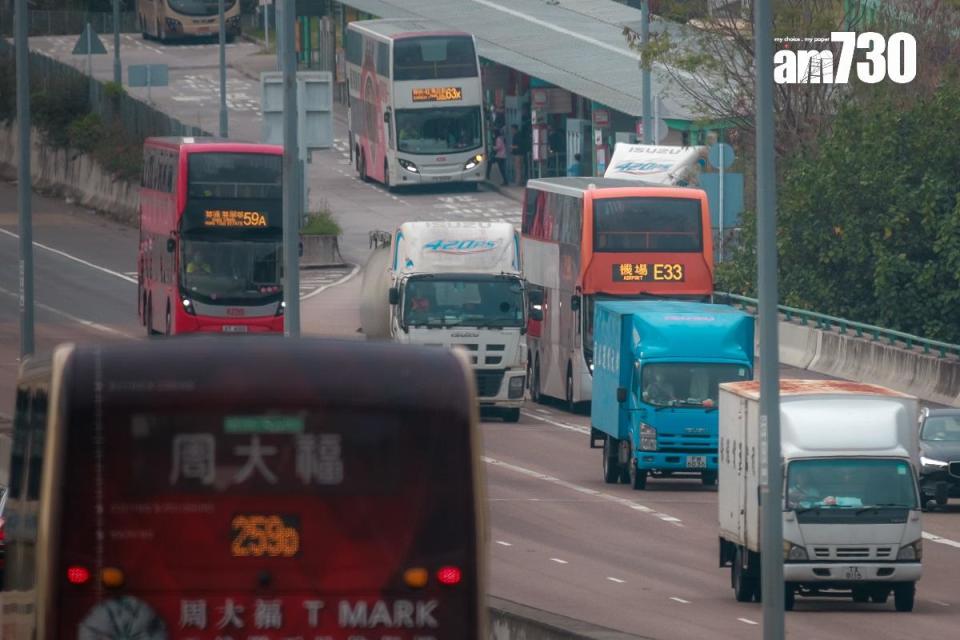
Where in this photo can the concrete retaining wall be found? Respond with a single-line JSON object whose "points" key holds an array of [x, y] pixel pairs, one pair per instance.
{"points": [[926, 376], [512, 621], [320, 251], [70, 174]]}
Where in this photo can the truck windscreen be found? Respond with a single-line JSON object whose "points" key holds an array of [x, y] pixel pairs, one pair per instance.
{"points": [[437, 302], [687, 384]]}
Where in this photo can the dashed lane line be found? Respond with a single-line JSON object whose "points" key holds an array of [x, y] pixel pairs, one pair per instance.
{"points": [[561, 425], [680, 600], [503, 543], [630, 504], [947, 541], [617, 580], [747, 621], [559, 561]]}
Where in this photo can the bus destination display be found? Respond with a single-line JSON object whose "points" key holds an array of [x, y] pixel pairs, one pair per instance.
{"points": [[656, 272], [438, 94], [233, 218], [259, 535]]}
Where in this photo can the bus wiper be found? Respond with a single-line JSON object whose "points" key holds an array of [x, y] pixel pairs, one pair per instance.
{"points": [[875, 507]]}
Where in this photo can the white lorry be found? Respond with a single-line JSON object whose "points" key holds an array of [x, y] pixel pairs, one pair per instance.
{"points": [[457, 285], [658, 164], [851, 510]]}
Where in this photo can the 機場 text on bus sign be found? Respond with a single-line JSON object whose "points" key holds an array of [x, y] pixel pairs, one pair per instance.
{"points": [[437, 94], [658, 272], [893, 58], [233, 218]]}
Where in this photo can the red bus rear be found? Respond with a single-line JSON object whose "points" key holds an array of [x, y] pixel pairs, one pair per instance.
{"points": [[332, 493], [211, 232]]}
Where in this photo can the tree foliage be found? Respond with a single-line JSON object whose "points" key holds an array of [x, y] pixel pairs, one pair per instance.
{"points": [[869, 224]]}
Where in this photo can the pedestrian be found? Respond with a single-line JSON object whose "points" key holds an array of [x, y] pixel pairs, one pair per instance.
{"points": [[574, 168], [499, 157], [516, 150]]}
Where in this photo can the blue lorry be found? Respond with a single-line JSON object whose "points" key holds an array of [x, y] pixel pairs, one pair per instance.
{"points": [[657, 367]]}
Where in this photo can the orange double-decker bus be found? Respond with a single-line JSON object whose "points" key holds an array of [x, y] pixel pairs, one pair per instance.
{"points": [[211, 233], [164, 490], [588, 239]]}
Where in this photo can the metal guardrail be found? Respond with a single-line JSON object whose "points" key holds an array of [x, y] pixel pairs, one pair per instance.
{"points": [[861, 330]]}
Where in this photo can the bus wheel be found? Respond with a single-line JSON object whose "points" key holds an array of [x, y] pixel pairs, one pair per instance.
{"points": [[143, 309], [362, 168], [571, 405], [150, 330], [386, 177], [169, 328]]}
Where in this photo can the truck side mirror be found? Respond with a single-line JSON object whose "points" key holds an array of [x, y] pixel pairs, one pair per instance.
{"points": [[394, 295], [535, 298], [575, 303], [386, 117], [621, 394], [171, 245]]}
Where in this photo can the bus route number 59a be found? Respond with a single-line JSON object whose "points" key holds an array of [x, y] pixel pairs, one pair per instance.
{"points": [[255, 536]]}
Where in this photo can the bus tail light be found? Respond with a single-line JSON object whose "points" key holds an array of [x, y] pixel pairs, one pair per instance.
{"points": [[416, 577], [78, 575], [112, 577], [449, 575]]}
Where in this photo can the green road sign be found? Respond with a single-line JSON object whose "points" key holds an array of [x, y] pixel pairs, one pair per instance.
{"points": [[89, 43]]}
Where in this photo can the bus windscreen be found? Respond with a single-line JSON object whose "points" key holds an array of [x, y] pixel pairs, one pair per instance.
{"points": [[647, 225], [281, 524], [248, 176]]}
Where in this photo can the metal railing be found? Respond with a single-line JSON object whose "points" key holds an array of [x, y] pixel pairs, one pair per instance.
{"points": [[844, 327], [66, 22]]}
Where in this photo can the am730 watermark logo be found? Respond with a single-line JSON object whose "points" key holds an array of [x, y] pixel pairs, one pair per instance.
{"points": [[893, 58]]}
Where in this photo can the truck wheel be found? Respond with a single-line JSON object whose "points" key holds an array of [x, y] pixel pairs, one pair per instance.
{"points": [[638, 479], [611, 461], [743, 585], [511, 415], [903, 596], [708, 478], [789, 596]]}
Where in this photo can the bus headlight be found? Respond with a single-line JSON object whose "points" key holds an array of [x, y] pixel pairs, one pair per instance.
{"points": [[473, 162], [409, 166], [281, 307], [648, 438], [188, 307]]}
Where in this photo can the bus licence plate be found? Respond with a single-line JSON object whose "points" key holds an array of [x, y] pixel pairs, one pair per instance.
{"points": [[852, 573], [696, 462], [234, 328]]}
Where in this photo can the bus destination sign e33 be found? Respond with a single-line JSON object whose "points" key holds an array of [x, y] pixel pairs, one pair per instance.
{"points": [[655, 272], [259, 535], [437, 94], [232, 218]]}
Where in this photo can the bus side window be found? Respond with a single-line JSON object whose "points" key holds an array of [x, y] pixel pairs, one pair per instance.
{"points": [[38, 432]]}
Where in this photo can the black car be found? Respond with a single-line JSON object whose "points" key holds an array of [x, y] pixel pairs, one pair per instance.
{"points": [[939, 454]]}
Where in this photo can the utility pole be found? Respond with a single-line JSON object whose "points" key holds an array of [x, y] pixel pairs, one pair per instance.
{"points": [[771, 478], [117, 72], [645, 74], [292, 190], [24, 193], [223, 72]]}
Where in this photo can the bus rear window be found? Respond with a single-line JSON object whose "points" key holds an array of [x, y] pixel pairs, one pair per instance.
{"points": [[235, 175], [434, 58], [647, 225]]}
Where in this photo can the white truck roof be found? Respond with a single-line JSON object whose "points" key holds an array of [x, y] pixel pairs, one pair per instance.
{"points": [[456, 247], [667, 165], [829, 417]]}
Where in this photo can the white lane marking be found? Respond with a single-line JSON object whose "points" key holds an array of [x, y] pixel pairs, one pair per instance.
{"points": [[562, 425], [74, 258], [617, 580], [747, 620], [356, 268], [680, 600], [87, 323], [942, 604], [559, 561], [503, 543], [947, 541], [636, 506], [542, 411]]}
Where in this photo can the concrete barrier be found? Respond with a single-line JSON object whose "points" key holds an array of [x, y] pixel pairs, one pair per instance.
{"points": [[320, 251], [67, 173], [927, 376], [512, 621]]}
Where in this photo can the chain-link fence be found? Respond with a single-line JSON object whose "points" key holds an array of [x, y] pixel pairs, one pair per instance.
{"points": [[64, 23]]}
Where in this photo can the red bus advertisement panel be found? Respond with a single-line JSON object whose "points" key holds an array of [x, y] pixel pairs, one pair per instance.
{"points": [[273, 519]]}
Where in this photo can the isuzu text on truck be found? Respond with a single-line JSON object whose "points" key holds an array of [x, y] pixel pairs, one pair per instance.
{"points": [[657, 370], [851, 510], [458, 285]]}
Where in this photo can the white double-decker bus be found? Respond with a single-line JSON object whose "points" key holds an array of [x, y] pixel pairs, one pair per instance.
{"points": [[416, 103]]}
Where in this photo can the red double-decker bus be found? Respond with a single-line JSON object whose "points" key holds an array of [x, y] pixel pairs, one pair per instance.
{"points": [[211, 232], [586, 239], [161, 490]]}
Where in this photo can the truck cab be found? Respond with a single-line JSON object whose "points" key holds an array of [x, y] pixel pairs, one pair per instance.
{"points": [[658, 368]]}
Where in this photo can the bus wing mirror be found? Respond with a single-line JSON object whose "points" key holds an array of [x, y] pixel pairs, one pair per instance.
{"points": [[575, 303], [171, 245], [394, 295], [621, 394], [386, 117]]}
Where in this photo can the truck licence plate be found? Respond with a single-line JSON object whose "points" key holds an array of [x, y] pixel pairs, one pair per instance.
{"points": [[852, 573], [696, 462], [234, 328]]}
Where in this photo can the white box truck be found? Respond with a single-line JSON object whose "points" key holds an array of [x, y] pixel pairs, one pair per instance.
{"points": [[456, 285], [851, 507]]}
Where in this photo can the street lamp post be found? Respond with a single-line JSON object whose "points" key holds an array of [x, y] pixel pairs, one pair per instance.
{"points": [[223, 72], [25, 223]]}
